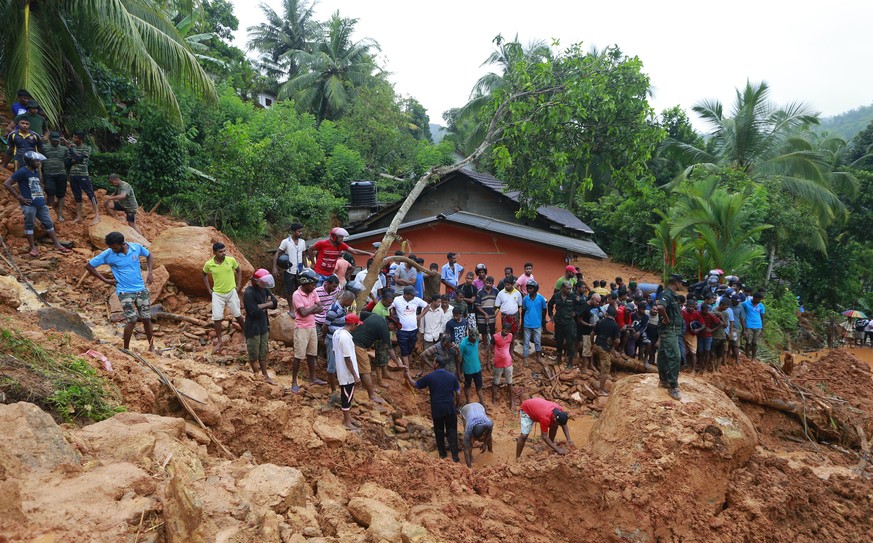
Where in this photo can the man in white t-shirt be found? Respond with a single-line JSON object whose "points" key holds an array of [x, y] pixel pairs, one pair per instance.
{"points": [[405, 308], [294, 246], [347, 367], [377, 286], [507, 303], [433, 324]]}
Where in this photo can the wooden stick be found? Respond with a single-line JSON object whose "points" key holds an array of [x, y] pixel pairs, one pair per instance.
{"points": [[180, 318], [82, 279]]}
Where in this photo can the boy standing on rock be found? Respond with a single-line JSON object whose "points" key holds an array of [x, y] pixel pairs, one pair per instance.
{"points": [[123, 259], [347, 367]]}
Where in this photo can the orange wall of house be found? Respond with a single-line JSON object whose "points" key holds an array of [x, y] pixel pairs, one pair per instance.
{"points": [[473, 247]]}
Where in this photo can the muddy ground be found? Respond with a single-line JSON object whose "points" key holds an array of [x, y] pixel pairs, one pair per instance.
{"points": [[673, 473]]}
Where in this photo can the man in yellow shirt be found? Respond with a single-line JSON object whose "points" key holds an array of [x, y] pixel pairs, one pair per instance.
{"points": [[226, 284]]}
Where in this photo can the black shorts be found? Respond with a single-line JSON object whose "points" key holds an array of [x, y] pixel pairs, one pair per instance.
{"points": [[289, 281], [56, 184], [129, 215], [487, 331], [473, 378], [80, 183], [652, 333], [347, 392]]}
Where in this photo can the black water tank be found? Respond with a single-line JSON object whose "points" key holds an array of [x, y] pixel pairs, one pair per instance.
{"points": [[363, 194]]}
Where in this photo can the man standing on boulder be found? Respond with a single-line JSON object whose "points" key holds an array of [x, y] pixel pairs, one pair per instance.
{"points": [[55, 174], [79, 179], [226, 284], [549, 415], [669, 328], [257, 300], [123, 259]]}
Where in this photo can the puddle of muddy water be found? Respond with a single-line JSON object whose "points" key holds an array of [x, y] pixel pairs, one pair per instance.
{"points": [[506, 430], [864, 354]]}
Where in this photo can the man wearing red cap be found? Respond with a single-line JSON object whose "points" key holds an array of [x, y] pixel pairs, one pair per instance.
{"points": [[568, 277], [549, 415], [257, 299], [326, 252], [347, 367]]}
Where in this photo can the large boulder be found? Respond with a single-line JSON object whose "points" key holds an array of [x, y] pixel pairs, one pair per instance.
{"points": [[97, 232], [10, 292], [33, 438], [130, 437], [62, 320], [276, 487], [699, 440], [282, 329], [198, 400], [184, 250]]}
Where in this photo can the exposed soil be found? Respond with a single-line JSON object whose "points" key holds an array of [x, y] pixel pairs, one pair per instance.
{"points": [[789, 488]]}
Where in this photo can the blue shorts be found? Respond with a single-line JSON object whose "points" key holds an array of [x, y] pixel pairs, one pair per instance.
{"points": [[406, 339], [706, 344]]}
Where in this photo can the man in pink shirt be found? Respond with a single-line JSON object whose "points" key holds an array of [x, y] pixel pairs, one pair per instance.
{"points": [[306, 306], [502, 366], [521, 282], [549, 415]]}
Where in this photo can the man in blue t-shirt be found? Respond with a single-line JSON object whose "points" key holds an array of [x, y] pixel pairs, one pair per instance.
{"points": [[123, 259], [533, 315], [444, 390], [31, 196], [753, 322]]}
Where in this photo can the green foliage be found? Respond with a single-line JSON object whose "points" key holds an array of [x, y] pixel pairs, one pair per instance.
{"points": [[65, 384], [159, 157], [121, 162], [847, 125], [781, 319], [343, 166]]}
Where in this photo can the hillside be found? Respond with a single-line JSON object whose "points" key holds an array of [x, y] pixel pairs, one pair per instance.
{"points": [[846, 125]]}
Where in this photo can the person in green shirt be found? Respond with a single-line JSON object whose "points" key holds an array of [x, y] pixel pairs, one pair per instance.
{"points": [[226, 286], [669, 328], [37, 121], [123, 199], [80, 181], [54, 173], [568, 277], [381, 361]]}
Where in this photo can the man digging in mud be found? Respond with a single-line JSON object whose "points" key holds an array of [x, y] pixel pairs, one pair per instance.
{"points": [[226, 284], [347, 367], [375, 328], [549, 415], [477, 427], [123, 259]]}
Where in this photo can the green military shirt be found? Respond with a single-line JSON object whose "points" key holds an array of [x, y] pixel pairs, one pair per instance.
{"points": [[566, 309], [80, 168], [670, 302], [129, 202], [54, 159]]}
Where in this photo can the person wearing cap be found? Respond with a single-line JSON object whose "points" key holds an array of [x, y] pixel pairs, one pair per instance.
{"points": [[406, 308], [481, 274], [486, 319], [347, 367], [31, 198], [257, 299], [122, 199], [122, 257], [533, 316], [445, 391], [325, 253], [226, 285], [477, 427], [375, 328], [568, 277], [549, 415], [669, 328], [37, 121], [306, 305], [564, 308], [294, 247], [54, 173], [21, 141], [80, 180]]}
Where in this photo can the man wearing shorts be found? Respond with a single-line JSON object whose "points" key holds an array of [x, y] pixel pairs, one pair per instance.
{"points": [[470, 364], [294, 247], [334, 321], [226, 284], [405, 308], [123, 260], [257, 299], [305, 305], [502, 366], [54, 173], [753, 322], [486, 319], [375, 328], [549, 415], [477, 427], [508, 303], [347, 370], [691, 315], [79, 179], [123, 199]]}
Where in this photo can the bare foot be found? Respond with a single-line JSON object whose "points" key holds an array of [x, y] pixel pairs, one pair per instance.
{"points": [[62, 249], [96, 220], [377, 399], [77, 219], [61, 219], [218, 346], [152, 348], [34, 252], [269, 380]]}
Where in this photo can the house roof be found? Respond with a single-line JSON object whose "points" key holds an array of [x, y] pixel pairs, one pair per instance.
{"points": [[562, 217], [479, 222]]}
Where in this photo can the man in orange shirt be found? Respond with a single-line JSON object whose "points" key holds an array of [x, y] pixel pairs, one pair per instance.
{"points": [[549, 415]]}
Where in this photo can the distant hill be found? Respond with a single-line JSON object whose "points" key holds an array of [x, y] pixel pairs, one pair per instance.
{"points": [[845, 125], [437, 132]]}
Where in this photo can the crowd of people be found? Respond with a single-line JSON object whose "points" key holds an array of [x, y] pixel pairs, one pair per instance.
{"points": [[450, 325], [44, 164]]}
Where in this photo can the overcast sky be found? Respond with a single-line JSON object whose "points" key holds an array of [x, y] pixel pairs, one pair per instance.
{"points": [[819, 53]]}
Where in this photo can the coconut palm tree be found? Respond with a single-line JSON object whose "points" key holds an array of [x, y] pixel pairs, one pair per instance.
{"points": [[280, 36], [45, 46], [334, 67]]}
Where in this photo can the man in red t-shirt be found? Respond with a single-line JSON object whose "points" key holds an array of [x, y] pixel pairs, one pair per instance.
{"points": [[549, 415], [326, 252]]}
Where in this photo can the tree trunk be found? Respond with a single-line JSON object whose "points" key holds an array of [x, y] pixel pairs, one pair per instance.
{"points": [[771, 260]]}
